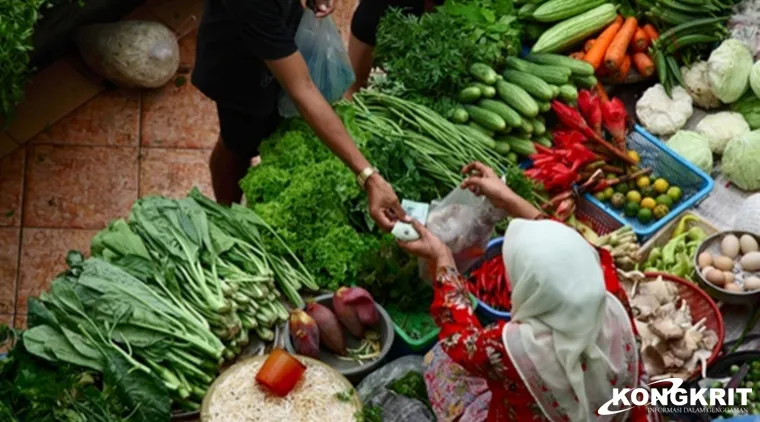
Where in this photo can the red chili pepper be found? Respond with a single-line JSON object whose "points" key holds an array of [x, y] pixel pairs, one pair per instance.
{"points": [[591, 109], [615, 120]]}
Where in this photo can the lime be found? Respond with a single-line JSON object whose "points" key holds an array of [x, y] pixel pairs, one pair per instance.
{"points": [[643, 182], [649, 203], [610, 176], [631, 209], [618, 200], [648, 191], [661, 211], [674, 193], [609, 192], [634, 156], [600, 196], [621, 187], [645, 215], [665, 200], [633, 196], [661, 185]]}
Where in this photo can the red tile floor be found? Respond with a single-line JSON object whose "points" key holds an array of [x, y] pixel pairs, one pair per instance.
{"points": [[67, 183]]}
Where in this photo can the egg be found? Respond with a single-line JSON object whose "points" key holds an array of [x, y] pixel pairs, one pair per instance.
{"points": [[704, 259], [724, 263], [752, 283], [707, 270], [750, 261], [729, 277], [729, 246], [716, 277], [733, 288], [748, 244]]}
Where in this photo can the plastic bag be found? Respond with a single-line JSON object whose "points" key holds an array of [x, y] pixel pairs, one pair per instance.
{"points": [[748, 217], [322, 48], [131, 54], [464, 222], [396, 408], [745, 25]]}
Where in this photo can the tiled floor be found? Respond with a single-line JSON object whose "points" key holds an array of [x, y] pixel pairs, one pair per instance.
{"points": [[88, 168]]}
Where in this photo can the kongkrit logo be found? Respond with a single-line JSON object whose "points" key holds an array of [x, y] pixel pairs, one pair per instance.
{"points": [[673, 396]]}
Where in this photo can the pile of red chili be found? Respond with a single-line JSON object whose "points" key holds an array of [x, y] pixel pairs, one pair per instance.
{"points": [[490, 284]]}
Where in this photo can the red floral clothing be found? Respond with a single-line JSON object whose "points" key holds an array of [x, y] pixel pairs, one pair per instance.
{"points": [[481, 350]]}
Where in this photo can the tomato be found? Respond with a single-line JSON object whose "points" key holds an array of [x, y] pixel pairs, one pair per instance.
{"points": [[280, 372]]}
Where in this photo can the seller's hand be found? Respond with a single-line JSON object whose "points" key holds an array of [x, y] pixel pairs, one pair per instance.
{"points": [[482, 180], [322, 7], [384, 206], [428, 246]]}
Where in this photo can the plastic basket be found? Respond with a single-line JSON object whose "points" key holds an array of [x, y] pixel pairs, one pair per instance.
{"points": [[694, 183], [701, 306], [485, 311]]}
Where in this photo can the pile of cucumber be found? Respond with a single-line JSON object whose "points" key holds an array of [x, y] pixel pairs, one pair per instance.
{"points": [[507, 111]]}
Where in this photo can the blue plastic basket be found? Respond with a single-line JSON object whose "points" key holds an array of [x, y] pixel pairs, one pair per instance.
{"points": [[483, 310], [694, 183]]}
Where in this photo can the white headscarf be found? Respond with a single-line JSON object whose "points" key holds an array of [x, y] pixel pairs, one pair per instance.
{"points": [[571, 341]]}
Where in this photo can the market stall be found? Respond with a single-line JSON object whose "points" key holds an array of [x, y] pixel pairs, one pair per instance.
{"points": [[636, 123]]}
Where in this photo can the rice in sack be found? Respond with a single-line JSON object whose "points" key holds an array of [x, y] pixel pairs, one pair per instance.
{"points": [[131, 54]]}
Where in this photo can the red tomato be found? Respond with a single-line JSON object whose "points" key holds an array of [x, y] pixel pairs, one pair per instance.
{"points": [[280, 372]]}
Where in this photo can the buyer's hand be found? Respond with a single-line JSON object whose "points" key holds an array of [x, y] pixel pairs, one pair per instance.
{"points": [[384, 206], [428, 246], [322, 8], [482, 180]]}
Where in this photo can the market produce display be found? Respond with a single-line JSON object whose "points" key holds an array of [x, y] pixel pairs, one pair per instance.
{"points": [[750, 380], [735, 267], [677, 255]]}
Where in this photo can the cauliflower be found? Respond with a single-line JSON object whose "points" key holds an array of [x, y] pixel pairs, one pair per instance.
{"points": [[719, 128], [698, 86], [663, 115]]}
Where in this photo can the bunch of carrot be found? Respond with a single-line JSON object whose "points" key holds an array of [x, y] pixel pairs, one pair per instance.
{"points": [[621, 46]]}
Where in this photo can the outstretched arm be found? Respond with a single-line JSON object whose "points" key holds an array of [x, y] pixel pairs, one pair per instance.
{"points": [[482, 180]]}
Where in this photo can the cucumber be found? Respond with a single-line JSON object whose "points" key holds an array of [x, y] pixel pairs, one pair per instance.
{"points": [[577, 67], [526, 11], [520, 146], [535, 86], [586, 82], [557, 10], [469, 95], [486, 90], [555, 91], [502, 147], [571, 31], [510, 116], [517, 98], [539, 128], [557, 75], [459, 115], [512, 157], [543, 140], [568, 93], [481, 129], [543, 106], [487, 119], [483, 73], [526, 126], [476, 135]]}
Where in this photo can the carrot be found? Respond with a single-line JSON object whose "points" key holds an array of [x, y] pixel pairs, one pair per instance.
{"points": [[643, 64], [617, 49], [640, 41], [589, 43], [650, 31], [578, 55], [599, 89], [595, 54], [624, 69]]}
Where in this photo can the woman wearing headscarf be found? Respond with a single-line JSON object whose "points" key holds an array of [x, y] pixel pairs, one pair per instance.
{"points": [[571, 339]]}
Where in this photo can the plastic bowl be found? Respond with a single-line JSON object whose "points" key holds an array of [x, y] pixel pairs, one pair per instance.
{"points": [[712, 244], [352, 370], [483, 309]]}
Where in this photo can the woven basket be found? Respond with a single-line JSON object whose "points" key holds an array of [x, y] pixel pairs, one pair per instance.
{"points": [[662, 237], [701, 306]]}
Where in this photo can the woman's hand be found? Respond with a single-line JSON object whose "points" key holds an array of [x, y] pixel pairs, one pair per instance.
{"points": [[321, 8], [482, 180], [428, 246]]}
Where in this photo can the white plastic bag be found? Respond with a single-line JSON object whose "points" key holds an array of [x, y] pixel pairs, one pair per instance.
{"points": [[464, 222], [322, 48]]}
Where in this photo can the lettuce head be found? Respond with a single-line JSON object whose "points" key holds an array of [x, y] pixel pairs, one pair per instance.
{"points": [[728, 70], [694, 147], [741, 161]]}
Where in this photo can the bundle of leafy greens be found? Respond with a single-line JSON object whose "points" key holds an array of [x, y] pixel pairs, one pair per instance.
{"points": [[429, 56]]}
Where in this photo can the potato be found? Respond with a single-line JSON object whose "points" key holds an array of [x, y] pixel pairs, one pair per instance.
{"points": [[729, 246], [750, 261], [705, 259], [724, 263], [716, 277], [752, 283], [748, 244]]}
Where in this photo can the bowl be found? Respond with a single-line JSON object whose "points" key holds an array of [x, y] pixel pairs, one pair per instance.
{"points": [[712, 245], [352, 370], [489, 313]]}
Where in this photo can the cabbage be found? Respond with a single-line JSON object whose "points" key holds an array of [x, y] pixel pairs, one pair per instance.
{"points": [[754, 78], [741, 161], [694, 147], [728, 70], [719, 128]]}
